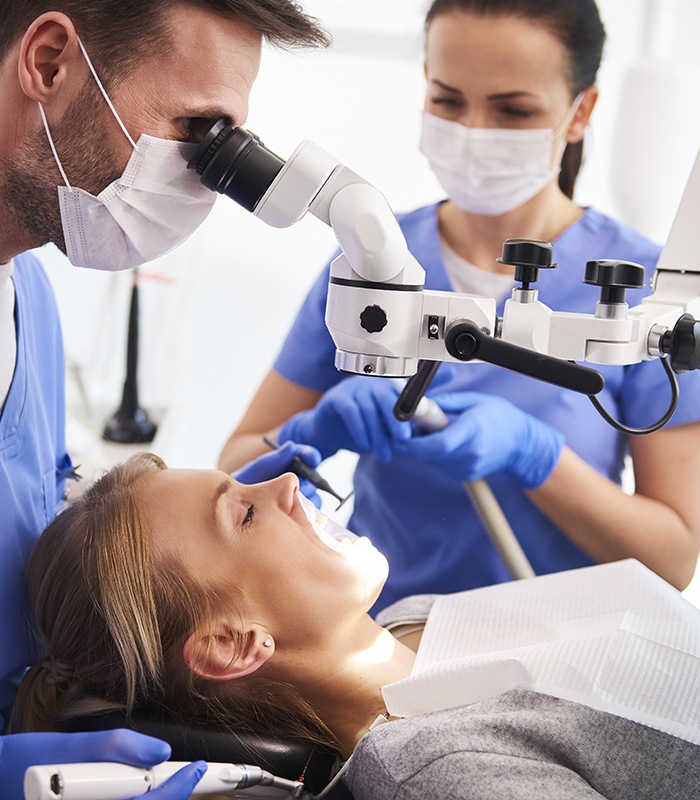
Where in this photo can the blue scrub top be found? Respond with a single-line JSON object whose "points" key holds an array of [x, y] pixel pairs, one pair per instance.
{"points": [[420, 518], [33, 459]]}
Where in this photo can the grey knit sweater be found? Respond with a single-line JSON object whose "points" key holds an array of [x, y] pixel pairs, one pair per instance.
{"points": [[521, 745]]}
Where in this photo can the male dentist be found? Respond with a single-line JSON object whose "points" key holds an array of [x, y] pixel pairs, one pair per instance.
{"points": [[101, 103]]}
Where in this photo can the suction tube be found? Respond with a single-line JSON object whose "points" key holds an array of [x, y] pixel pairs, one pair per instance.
{"points": [[234, 162]]}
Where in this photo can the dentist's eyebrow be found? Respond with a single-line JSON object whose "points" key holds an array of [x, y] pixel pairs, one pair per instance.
{"points": [[219, 492], [209, 112]]}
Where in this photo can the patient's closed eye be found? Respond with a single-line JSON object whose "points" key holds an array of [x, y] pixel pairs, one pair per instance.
{"points": [[249, 516]]}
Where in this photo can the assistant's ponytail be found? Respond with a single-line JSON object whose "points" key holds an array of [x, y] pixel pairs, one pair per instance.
{"points": [[570, 167]]}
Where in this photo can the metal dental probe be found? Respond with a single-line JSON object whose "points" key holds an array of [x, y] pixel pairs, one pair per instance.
{"points": [[303, 470]]}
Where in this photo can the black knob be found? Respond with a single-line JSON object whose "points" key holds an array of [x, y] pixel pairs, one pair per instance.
{"points": [[682, 344], [373, 319], [528, 256], [464, 344], [614, 277]]}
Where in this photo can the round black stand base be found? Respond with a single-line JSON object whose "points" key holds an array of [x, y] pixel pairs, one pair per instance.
{"points": [[130, 428]]}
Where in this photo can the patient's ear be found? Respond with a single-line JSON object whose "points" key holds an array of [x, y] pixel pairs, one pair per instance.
{"points": [[222, 653]]}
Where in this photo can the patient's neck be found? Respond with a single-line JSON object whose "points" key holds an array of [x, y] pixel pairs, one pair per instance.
{"points": [[345, 679]]}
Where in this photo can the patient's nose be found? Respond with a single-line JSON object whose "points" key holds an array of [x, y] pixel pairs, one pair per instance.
{"points": [[283, 489]]}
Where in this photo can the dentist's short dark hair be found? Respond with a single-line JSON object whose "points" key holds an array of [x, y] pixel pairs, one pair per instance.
{"points": [[117, 33]]}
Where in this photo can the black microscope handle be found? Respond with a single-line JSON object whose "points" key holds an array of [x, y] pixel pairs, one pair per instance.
{"points": [[466, 341], [416, 386]]}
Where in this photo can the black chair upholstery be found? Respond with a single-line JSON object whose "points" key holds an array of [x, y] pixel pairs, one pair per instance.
{"points": [[191, 740]]}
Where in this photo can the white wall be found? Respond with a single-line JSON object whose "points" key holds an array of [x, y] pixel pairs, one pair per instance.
{"points": [[210, 334]]}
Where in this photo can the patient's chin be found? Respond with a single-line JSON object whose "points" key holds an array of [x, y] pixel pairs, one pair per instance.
{"points": [[372, 568]]}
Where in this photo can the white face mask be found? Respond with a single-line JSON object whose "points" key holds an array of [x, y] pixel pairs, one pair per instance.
{"points": [[155, 205], [491, 170]]}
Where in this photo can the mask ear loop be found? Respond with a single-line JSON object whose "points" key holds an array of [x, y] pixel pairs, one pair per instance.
{"points": [[570, 114], [111, 108], [53, 148], [105, 95], [564, 124]]}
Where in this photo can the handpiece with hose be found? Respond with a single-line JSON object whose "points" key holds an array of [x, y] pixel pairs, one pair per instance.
{"points": [[111, 781]]}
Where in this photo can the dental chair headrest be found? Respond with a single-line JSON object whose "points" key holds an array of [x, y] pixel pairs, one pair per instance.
{"points": [[191, 740]]}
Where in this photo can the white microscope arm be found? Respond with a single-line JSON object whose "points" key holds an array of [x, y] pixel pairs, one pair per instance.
{"points": [[382, 319], [384, 322]]}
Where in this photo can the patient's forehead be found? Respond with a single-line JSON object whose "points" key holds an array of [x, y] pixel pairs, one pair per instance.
{"points": [[176, 501], [173, 480]]}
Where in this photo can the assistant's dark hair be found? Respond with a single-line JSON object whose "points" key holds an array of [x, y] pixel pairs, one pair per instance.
{"points": [[118, 32], [575, 23]]}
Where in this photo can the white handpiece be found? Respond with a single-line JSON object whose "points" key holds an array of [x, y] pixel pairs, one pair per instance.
{"points": [[429, 417], [110, 781]]}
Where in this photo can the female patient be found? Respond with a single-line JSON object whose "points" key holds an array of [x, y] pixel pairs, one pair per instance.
{"points": [[220, 600]]}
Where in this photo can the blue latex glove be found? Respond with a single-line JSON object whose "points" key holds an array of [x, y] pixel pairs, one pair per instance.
{"points": [[276, 462], [22, 750], [489, 435], [356, 414]]}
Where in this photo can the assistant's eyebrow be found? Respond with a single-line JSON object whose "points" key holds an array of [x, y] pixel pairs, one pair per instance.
{"points": [[510, 95], [445, 87], [219, 492]]}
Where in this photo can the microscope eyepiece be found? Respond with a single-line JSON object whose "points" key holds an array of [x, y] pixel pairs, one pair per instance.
{"points": [[234, 162]]}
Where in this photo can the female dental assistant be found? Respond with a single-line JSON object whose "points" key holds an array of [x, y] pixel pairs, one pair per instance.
{"points": [[510, 91]]}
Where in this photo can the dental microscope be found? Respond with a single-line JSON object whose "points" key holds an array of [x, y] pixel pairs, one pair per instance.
{"points": [[385, 323]]}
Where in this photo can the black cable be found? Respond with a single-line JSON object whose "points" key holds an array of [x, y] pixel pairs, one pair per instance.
{"points": [[657, 425]]}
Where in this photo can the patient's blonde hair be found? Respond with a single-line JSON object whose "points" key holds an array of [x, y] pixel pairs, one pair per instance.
{"points": [[113, 616]]}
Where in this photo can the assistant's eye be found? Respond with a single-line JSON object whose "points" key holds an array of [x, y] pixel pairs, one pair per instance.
{"points": [[515, 112], [249, 516], [445, 101]]}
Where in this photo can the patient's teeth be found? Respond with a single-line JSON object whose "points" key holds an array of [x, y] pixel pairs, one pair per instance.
{"points": [[332, 534]]}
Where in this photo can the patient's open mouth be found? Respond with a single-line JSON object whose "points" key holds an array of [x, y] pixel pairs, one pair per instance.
{"points": [[330, 533]]}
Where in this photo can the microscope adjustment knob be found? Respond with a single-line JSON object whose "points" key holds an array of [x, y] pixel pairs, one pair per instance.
{"points": [[614, 277], [528, 256], [373, 319], [682, 344]]}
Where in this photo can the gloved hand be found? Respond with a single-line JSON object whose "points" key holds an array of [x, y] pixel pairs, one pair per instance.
{"points": [[22, 750], [489, 435], [274, 463], [356, 414]]}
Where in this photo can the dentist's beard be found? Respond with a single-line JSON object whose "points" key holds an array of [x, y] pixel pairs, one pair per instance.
{"points": [[29, 179]]}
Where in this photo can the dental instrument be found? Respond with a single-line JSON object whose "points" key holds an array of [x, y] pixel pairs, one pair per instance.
{"points": [[111, 781], [300, 468]]}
